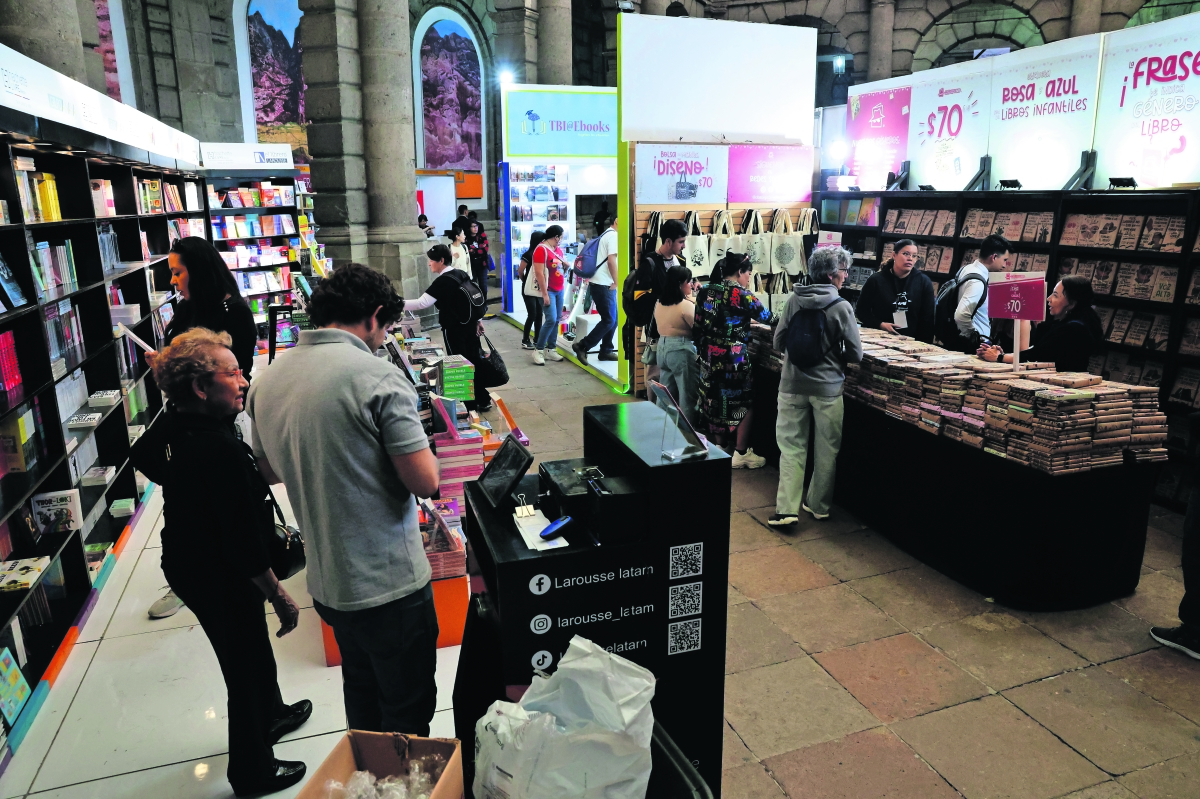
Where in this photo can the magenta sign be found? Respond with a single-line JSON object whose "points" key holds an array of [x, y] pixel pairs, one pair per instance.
{"points": [[770, 173], [877, 127], [1017, 295]]}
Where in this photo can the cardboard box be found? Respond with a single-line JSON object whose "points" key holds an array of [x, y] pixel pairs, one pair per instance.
{"points": [[387, 754]]}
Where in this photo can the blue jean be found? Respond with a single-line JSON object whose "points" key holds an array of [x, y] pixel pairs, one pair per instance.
{"points": [[389, 656], [548, 338], [605, 298], [678, 372]]}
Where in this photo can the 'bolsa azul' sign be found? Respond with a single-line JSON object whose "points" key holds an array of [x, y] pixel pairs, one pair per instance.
{"points": [[552, 123]]}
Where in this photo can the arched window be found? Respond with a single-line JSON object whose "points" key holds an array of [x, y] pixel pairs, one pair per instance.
{"points": [[270, 73], [448, 96], [676, 9]]}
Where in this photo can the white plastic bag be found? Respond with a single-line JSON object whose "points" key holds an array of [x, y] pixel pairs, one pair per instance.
{"points": [[582, 733]]}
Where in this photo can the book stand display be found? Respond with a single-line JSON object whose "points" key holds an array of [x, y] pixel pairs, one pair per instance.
{"points": [[89, 251]]}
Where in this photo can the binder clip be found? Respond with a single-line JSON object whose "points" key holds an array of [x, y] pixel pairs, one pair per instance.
{"points": [[524, 510]]}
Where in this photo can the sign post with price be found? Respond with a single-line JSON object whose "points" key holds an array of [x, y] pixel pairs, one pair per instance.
{"points": [[1020, 296]]}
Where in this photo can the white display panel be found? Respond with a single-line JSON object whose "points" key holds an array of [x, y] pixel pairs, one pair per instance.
{"points": [[1043, 104], [1149, 108], [682, 173], [948, 125], [762, 92]]}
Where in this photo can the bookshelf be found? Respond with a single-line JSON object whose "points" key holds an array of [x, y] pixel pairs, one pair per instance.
{"points": [[104, 242]]}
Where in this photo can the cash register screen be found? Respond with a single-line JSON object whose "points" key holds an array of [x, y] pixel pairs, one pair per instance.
{"points": [[505, 471]]}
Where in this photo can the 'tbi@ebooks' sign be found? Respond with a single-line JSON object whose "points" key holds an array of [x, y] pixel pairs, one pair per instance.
{"points": [[547, 123]]}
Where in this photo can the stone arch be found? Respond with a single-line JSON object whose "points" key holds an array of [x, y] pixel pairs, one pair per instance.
{"points": [[991, 24], [465, 132], [1160, 10], [677, 9], [850, 20]]}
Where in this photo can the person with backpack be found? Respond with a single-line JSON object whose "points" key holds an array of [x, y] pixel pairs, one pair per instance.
{"points": [[548, 283], [460, 306], [1069, 337], [600, 255], [960, 314], [899, 298], [818, 336], [725, 393], [533, 302]]}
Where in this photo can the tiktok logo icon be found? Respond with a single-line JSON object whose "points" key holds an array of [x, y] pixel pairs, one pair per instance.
{"points": [[539, 585], [542, 659]]}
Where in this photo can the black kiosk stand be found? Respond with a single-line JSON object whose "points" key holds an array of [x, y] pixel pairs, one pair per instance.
{"points": [[644, 575]]}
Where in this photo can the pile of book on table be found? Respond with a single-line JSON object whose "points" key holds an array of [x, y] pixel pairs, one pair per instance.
{"points": [[456, 377], [1056, 422], [443, 538], [762, 348]]}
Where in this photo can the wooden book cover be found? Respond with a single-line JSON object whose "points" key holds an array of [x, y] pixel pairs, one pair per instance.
{"points": [[947, 263], [1159, 334], [1110, 225], [906, 223], [1016, 224], [1152, 374], [1193, 292], [1041, 262], [984, 226], [1120, 326], [1070, 231], [1126, 274], [943, 224], [1129, 231], [1039, 227], [890, 219], [1139, 330], [1186, 383], [999, 223], [1154, 233], [1089, 229], [933, 258], [1190, 343], [928, 218], [1106, 316], [1165, 278], [970, 222], [1173, 241], [1102, 277], [969, 257], [1067, 266]]}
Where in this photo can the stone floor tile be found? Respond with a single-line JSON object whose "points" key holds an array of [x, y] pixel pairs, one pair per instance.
{"points": [[755, 488], [753, 640], [990, 749], [1169, 676], [899, 677], [790, 705], [1106, 720], [779, 570], [1156, 600], [1174, 574], [860, 554], [920, 597], [734, 753], [866, 765], [745, 534], [551, 441], [1175, 779], [1001, 651], [1166, 520], [736, 597], [1163, 550], [1099, 633], [1105, 790], [808, 528], [544, 394], [828, 618], [749, 782]]}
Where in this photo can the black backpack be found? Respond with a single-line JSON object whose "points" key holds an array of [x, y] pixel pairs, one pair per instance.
{"points": [[806, 336], [946, 306], [637, 295], [475, 304]]}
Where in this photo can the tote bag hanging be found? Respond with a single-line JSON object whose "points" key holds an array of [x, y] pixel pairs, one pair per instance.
{"points": [[756, 241], [787, 246], [695, 247], [722, 239], [650, 239]]}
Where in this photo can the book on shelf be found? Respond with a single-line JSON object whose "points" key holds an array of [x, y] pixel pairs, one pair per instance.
{"points": [[1139, 330], [1152, 374], [1041, 262], [1106, 234], [1024, 262], [983, 228], [852, 209], [868, 213], [1154, 233], [63, 331], [1159, 333], [18, 440], [20, 575], [1184, 389], [1038, 227], [1070, 231], [11, 288], [932, 258], [1128, 285], [969, 256], [103, 202], [1173, 238], [104, 399], [1106, 317], [1165, 278], [99, 476], [1012, 227], [905, 223], [1129, 371], [926, 222], [1128, 232], [120, 508], [110, 256], [191, 196], [971, 224], [1089, 229], [947, 262], [1190, 343], [14, 689], [1102, 277], [943, 223], [84, 420], [13, 637], [145, 246], [1067, 266], [1086, 269], [1120, 326], [890, 220], [889, 250]]}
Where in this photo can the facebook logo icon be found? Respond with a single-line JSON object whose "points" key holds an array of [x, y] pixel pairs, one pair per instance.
{"points": [[539, 585]]}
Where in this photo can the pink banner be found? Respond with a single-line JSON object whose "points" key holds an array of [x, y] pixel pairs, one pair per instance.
{"points": [[1017, 295], [769, 173], [877, 124]]}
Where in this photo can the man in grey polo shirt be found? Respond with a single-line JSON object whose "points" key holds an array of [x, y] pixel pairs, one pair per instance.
{"points": [[339, 427]]}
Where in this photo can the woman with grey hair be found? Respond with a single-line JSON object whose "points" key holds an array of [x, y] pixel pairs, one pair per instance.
{"points": [[813, 391]]}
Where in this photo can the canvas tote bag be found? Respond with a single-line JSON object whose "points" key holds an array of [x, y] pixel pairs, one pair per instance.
{"points": [[756, 241], [722, 239], [787, 246], [695, 247]]}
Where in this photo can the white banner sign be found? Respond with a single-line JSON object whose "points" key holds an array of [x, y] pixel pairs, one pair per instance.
{"points": [[1150, 105], [948, 126], [682, 173], [236, 155], [30, 87], [1043, 107]]}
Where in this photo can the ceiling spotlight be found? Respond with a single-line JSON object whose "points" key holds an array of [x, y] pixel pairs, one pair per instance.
{"points": [[506, 77]]}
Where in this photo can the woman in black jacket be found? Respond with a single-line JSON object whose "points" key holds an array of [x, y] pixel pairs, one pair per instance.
{"points": [[899, 297], [214, 552], [210, 299], [1069, 337]]}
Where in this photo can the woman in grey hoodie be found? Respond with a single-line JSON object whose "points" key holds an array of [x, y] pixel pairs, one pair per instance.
{"points": [[814, 391]]}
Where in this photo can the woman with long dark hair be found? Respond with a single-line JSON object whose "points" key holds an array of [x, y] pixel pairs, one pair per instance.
{"points": [[477, 249], [724, 311], [209, 298], [460, 256], [675, 316], [533, 302], [1069, 337]]}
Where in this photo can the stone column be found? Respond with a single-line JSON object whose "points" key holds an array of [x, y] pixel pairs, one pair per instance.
{"points": [[48, 32], [554, 43], [394, 242], [333, 106], [656, 8], [1085, 17], [516, 40], [879, 56]]}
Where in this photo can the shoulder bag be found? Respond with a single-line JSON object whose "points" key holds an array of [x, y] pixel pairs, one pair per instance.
{"points": [[285, 545], [491, 371]]}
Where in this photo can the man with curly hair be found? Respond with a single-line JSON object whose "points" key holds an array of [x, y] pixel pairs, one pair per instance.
{"points": [[339, 427]]}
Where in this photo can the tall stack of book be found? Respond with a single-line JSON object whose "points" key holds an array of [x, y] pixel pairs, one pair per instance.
{"points": [[1113, 409], [461, 460], [1063, 427], [38, 192], [1149, 433], [456, 378]]}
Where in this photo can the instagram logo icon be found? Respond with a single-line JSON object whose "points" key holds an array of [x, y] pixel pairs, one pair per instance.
{"points": [[540, 623]]}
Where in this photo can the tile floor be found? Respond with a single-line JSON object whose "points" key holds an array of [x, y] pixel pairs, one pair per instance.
{"points": [[852, 669]]}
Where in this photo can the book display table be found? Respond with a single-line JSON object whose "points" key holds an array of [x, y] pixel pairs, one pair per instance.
{"points": [[645, 577], [1030, 540]]}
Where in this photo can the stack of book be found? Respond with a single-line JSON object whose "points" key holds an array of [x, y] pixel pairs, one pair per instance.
{"points": [[65, 335], [20, 575], [456, 377], [53, 265], [97, 556], [1113, 409], [1148, 436], [1062, 439], [460, 456], [762, 347], [443, 539], [149, 196], [38, 192], [173, 201]]}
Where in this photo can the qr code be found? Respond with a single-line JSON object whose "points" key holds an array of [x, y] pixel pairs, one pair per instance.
{"points": [[683, 636], [687, 560], [686, 600]]}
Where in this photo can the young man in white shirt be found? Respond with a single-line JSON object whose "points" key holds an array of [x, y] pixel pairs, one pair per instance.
{"points": [[971, 316], [602, 288]]}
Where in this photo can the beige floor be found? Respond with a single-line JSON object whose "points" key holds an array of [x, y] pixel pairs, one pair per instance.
{"points": [[855, 671]]}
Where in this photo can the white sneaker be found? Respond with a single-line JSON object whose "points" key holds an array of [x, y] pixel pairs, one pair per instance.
{"points": [[167, 605], [538, 358], [815, 515], [554, 354], [749, 460]]}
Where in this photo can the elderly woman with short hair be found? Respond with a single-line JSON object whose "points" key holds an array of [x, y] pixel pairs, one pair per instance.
{"points": [[814, 391], [214, 550]]}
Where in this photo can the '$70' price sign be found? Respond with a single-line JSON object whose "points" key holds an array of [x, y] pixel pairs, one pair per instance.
{"points": [[1017, 295], [945, 121]]}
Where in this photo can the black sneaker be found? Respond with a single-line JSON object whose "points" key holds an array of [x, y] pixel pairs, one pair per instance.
{"points": [[580, 353], [783, 519], [1184, 638], [526, 345]]}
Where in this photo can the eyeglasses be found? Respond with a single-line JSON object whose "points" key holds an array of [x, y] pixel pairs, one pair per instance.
{"points": [[234, 372]]}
